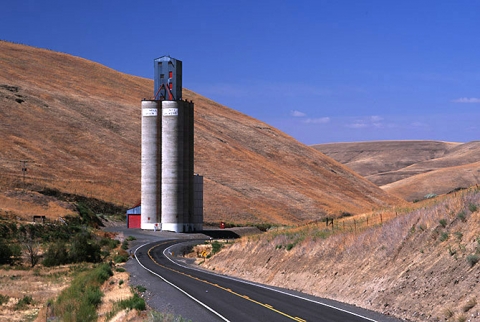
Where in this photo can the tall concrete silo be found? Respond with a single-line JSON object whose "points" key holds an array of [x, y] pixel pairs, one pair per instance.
{"points": [[150, 163], [168, 190], [177, 166]]}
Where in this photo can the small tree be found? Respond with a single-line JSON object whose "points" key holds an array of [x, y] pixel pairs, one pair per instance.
{"points": [[29, 241], [32, 250]]}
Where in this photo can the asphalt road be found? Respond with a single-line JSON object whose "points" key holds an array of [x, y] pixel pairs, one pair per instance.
{"points": [[229, 299]]}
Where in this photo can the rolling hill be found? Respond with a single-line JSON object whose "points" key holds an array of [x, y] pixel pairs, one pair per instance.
{"points": [[411, 169], [77, 124]]}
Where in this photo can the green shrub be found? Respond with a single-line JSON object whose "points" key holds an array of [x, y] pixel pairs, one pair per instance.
{"points": [[103, 273], [216, 247], [16, 251], [140, 288], [4, 299], [120, 258], [10, 253], [23, 303], [94, 295], [130, 238], [443, 236], [84, 249], [56, 255], [472, 259], [6, 253], [109, 243], [135, 302], [461, 215], [459, 235], [290, 246], [472, 207], [88, 216], [8, 230], [443, 222], [125, 245], [120, 269]]}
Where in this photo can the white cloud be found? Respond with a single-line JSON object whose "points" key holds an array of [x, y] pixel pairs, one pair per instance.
{"points": [[358, 125], [297, 114], [466, 100], [370, 121], [321, 120]]}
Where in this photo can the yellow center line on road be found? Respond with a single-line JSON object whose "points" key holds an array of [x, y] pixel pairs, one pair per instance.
{"points": [[268, 306]]}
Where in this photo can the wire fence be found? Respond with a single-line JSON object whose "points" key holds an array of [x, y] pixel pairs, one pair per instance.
{"points": [[361, 222]]}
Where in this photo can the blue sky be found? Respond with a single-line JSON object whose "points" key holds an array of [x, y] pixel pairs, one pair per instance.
{"points": [[321, 71]]}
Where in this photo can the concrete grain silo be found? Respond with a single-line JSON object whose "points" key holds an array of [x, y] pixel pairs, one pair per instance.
{"points": [[170, 198], [150, 164], [177, 165]]}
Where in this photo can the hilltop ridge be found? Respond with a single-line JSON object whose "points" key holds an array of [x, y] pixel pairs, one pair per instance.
{"points": [[411, 169]]}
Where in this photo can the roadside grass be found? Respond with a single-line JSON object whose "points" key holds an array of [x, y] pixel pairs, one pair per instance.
{"points": [[133, 303], [80, 300]]}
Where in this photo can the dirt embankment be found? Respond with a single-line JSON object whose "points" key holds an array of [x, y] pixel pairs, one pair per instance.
{"points": [[420, 266]]}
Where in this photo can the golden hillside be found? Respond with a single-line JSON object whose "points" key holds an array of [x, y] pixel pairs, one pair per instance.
{"points": [[78, 124], [411, 169]]}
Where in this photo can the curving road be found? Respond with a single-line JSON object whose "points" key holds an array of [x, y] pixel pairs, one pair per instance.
{"points": [[231, 299]]}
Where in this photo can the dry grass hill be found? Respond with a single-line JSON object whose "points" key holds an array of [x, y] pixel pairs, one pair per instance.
{"points": [[411, 169], [77, 123], [422, 264]]}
